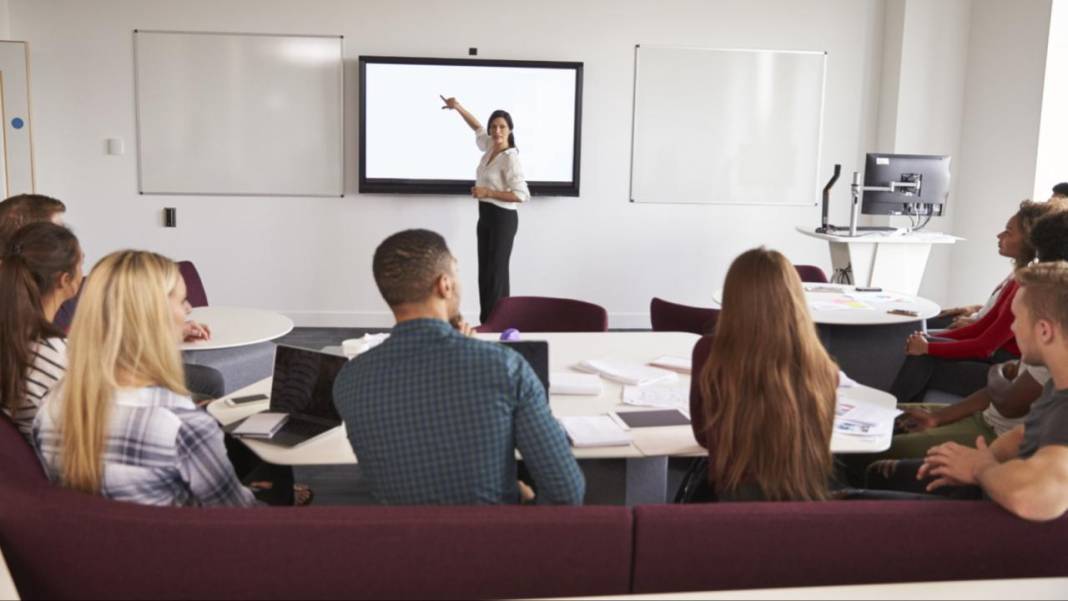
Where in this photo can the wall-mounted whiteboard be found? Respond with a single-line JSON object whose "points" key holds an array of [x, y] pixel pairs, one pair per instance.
{"points": [[726, 126], [242, 114]]}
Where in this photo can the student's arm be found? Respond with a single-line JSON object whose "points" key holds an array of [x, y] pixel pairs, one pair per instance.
{"points": [[454, 104], [543, 445], [979, 326], [204, 466], [1016, 401], [951, 414], [1033, 489], [984, 344], [953, 464]]}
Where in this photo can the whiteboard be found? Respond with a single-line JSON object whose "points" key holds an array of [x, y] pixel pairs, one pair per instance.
{"points": [[726, 126], [242, 114]]}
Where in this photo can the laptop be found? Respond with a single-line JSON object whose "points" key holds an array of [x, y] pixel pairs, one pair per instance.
{"points": [[303, 388], [536, 352]]}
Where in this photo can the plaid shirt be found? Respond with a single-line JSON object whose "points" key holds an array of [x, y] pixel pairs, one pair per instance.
{"points": [[159, 450], [435, 418]]}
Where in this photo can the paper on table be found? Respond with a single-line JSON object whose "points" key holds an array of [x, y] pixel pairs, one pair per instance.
{"points": [[571, 383], [845, 381], [671, 396], [594, 431], [626, 372], [679, 364], [840, 302], [261, 425], [858, 418]]}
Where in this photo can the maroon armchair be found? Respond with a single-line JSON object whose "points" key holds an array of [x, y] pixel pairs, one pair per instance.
{"points": [[667, 316], [545, 314], [811, 274], [194, 288]]}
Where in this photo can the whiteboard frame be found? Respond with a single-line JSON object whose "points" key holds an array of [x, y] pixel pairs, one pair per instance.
{"points": [[137, 114], [819, 134]]}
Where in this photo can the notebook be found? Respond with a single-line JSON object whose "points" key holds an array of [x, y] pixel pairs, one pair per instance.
{"points": [[261, 425], [571, 383], [626, 372], [594, 431]]}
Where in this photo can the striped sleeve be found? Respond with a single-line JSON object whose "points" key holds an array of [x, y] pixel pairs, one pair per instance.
{"points": [[47, 366]]}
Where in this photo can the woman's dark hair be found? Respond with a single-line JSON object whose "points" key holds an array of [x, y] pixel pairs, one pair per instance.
{"points": [[507, 119], [34, 258], [1049, 237], [24, 209]]}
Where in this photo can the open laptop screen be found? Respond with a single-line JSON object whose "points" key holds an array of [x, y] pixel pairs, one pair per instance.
{"points": [[304, 382], [536, 352]]}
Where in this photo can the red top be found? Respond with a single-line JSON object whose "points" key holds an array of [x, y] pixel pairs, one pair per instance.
{"points": [[984, 337]]}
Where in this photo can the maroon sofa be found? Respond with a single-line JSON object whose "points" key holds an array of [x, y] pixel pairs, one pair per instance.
{"points": [[62, 544]]}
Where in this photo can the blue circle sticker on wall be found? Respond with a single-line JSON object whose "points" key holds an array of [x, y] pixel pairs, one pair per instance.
{"points": [[17, 123]]}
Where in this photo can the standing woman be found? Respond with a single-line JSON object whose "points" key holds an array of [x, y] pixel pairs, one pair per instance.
{"points": [[499, 187]]}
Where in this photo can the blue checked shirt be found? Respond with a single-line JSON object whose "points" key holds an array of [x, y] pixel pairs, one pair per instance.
{"points": [[159, 450], [435, 417]]}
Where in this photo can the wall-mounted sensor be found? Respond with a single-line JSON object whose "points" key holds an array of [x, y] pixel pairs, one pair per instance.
{"points": [[472, 51], [170, 217], [116, 147]]}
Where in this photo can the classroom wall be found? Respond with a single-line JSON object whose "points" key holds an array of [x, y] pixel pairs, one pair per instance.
{"points": [[999, 137], [310, 257], [1052, 160]]}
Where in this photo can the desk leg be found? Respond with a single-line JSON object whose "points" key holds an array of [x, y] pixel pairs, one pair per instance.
{"points": [[646, 480]]}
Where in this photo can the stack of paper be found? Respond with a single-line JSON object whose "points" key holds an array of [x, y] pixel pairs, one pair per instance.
{"points": [[671, 396], [858, 418], [571, 383], [594, 431], [845, 381], [679, 364], [626, 372]]}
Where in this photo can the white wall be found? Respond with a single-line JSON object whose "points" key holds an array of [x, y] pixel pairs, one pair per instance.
{"points": [[999, 138], [311, 257], [1052, 162]]}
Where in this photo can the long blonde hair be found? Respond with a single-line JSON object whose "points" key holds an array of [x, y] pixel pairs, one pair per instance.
{"points": [[768, 386], [124, 327]]}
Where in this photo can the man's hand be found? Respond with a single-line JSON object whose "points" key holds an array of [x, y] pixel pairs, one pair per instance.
{"points": [[462, 326], [960, 322], [916, 345], [193, 331], [952, 464]]}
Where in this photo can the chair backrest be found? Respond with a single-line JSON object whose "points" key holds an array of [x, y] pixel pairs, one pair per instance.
{"points": [[673, 317], [811, 274], [18, 461], [193, 286], [545, 314]]}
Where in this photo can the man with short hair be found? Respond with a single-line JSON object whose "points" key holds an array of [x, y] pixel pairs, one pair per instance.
{"points": [[434, 416], [24, 209], [1060, 190], [1026, 469]]}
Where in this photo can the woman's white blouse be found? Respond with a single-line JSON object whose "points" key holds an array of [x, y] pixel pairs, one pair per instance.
{"points": [[503, 174]]}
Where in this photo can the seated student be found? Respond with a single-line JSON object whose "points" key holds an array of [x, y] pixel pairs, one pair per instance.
{"points": [[1026, 469], [958, 360], [39, 270], [435, 416], [24, 209], [124, 395], [767, 390]]}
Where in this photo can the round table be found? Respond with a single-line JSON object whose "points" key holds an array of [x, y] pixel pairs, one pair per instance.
{"points": [[839, 304], [237, 326]]}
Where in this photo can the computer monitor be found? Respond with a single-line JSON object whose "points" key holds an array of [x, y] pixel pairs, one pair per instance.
{"points": [[905, 184]]}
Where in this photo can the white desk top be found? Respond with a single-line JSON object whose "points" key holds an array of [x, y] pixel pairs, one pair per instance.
{"points": [[7, 584], [237, 326], [921, 237], [565, 350], [824, 300], [1023, 588]]}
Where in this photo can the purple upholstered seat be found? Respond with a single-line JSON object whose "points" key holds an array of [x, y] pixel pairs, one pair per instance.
{"points": [[811, 274], [544, 314], [673, 317], [194, 287]]}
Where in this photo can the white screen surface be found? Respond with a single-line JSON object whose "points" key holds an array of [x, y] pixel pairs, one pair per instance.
{"points": [[409, 137], [727, 126]]}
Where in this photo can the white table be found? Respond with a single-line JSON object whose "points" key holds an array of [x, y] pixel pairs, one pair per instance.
{"points": [[7, 584], [875, 313], [890, 260], [646, 457], [237, 326]]}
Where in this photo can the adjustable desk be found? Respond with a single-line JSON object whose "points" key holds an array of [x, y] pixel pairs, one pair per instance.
{"points": [[885, 260], [645, 459]]}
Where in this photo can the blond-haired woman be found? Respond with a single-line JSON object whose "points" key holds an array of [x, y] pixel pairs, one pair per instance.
{"points": [[122, 423], [767, 389]]}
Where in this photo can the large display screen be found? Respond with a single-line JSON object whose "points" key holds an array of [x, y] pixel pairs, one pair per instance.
{"points": [[409, 145]]}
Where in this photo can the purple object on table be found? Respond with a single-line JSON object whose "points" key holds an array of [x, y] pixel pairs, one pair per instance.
{"points": [[511, 335]]}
